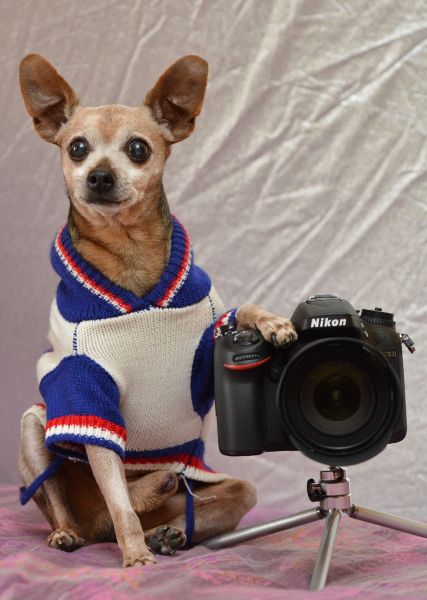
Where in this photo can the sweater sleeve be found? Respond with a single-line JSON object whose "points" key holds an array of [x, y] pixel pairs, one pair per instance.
{"points": [[202, 373], [82, 402]]}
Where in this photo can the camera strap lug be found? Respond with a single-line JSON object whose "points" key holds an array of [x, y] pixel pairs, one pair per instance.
{"points": [[223, 330], [407, 341]]}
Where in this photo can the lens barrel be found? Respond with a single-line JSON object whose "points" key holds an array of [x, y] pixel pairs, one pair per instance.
{"points": [[338, 400]]}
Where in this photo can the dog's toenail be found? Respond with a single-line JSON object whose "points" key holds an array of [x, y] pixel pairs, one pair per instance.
{"points": [[161, 530]]}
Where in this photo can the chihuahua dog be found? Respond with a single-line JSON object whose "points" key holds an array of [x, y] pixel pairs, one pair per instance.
{"points": [[127, 383]]}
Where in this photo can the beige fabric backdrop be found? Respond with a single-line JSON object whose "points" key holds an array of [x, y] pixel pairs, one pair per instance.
{"points": [[306, 174]]}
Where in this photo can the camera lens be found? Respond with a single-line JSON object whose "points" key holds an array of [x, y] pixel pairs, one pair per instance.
{"points": [[338, 401], [337, 397]]}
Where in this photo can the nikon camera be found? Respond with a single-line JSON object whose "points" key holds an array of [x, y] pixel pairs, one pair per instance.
{"points": [[337, 394]]}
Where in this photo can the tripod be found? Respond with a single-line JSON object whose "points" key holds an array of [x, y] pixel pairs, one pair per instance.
{"points": [[333, 494]]}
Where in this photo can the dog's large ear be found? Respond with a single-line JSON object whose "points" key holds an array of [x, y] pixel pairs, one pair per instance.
{"points": [[177, 98], [49, 100]]}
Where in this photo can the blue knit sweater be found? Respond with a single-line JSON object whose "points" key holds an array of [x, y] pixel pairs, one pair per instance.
{"points": [[127, 373]]}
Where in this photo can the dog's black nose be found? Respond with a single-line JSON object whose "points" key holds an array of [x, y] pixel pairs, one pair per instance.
{"points": [[101, 181]]}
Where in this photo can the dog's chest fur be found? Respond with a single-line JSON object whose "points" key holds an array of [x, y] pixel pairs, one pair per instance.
{"points": [[134, 251]]}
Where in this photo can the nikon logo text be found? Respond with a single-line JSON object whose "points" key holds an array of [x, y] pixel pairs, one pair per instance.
{"points": [[324, 322]]}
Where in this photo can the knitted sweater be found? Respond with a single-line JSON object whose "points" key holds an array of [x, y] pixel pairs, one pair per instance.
{"points": [[131, 374]]}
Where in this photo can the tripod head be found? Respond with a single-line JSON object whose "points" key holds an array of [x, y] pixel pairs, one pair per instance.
{"points": [[332, 490]]}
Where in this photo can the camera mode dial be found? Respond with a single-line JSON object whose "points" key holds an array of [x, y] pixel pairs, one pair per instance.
{"points": [[378, 317]]}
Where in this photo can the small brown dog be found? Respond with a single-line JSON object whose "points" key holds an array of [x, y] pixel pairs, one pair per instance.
{"points": [[119, 248]]}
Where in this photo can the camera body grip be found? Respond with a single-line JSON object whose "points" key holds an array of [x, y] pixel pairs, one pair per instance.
{"points": [[241, 359]]}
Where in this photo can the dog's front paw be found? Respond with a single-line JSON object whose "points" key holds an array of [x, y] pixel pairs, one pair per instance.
{"points": [[166, 540], [65, 540], [277, 330], [145, 558]]}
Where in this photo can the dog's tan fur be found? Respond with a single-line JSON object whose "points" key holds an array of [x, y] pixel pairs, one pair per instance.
{"points": [[128, 239]]}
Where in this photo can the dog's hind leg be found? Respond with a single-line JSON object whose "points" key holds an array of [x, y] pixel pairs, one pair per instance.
{"points": [[149, 492], [220, 509], [33, 460], [146, 493]]}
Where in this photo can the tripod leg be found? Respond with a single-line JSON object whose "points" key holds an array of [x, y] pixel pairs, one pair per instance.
{"points": [[323, 560], [391, 521], [251, 533]]}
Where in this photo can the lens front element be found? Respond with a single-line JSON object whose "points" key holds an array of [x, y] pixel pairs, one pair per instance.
{"points": [[338, 401], [337, 397]]}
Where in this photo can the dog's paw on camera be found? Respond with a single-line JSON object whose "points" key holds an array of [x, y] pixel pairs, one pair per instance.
{"points": [[65, 540], [166, 540], [277, 330], [274, 328]]}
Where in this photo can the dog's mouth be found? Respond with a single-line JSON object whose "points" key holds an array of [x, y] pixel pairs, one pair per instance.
{"points": [[105, 201], [108, 204]]}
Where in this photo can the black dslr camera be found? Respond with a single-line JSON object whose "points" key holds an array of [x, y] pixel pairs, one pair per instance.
{"points": [[336, 394]]}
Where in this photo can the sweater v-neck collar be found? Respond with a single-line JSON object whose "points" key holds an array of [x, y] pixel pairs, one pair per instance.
{"points": [[73, 268]]}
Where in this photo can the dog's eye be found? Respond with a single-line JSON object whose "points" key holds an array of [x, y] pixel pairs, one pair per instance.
{"points": [[138, 150], [78, 149]]}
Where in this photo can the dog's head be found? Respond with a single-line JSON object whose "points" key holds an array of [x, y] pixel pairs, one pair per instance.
{"points": [[113, 156]]}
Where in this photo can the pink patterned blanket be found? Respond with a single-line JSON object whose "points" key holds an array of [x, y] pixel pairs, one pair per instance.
{"points": [[369, 562]]}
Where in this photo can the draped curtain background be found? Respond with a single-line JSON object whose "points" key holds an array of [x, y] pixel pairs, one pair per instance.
{"points": [[306, 174]]}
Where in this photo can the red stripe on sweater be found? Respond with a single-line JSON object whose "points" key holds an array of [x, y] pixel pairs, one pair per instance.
{"points": [[222, 319], [175, 283], [88, 421], [187, 459], [87, 279]]}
